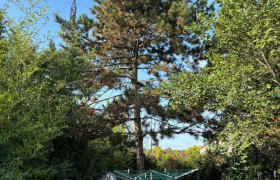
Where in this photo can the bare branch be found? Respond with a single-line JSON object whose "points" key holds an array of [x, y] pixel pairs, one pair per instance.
{"points": [[269, 67]]}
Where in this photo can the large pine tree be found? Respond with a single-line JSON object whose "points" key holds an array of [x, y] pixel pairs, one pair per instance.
{"points": [[127, 36]]}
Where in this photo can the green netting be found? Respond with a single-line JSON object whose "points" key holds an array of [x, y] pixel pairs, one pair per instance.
{"points": [[152, 174]]}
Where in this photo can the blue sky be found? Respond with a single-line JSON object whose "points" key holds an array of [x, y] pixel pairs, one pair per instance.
{"points": [[62, 7]]}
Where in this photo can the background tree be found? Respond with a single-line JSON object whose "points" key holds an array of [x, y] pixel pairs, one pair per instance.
{"points": [[129, 36], [242, 87], [38, 97]]}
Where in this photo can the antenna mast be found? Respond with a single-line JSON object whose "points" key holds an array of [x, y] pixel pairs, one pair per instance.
{"points": [[73, 11]]}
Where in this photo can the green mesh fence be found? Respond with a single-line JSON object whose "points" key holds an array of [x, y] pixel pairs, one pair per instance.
{"points": [[152, 174]]}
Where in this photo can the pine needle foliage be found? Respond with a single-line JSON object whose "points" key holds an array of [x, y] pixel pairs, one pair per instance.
{"points": [[125, 37]]}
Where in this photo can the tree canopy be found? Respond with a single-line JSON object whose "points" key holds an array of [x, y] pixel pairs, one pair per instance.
{"points": [[37, 97], [241, 88], [126, 37]]}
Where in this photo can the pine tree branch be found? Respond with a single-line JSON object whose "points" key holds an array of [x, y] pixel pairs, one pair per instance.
{"points": [[122, 47], [107, 99], [144, 68], [151, 55], [113, 58], [132, 68], [132, 119], [105, 109], [124, 77], [117, 76], [153, 80], [184, 129], [110, 64], [140, 84], [97, 67], [124, 133]]}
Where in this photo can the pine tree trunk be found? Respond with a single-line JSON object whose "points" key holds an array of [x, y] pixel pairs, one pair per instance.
{"points": [[137, 121], [139, 140]]}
